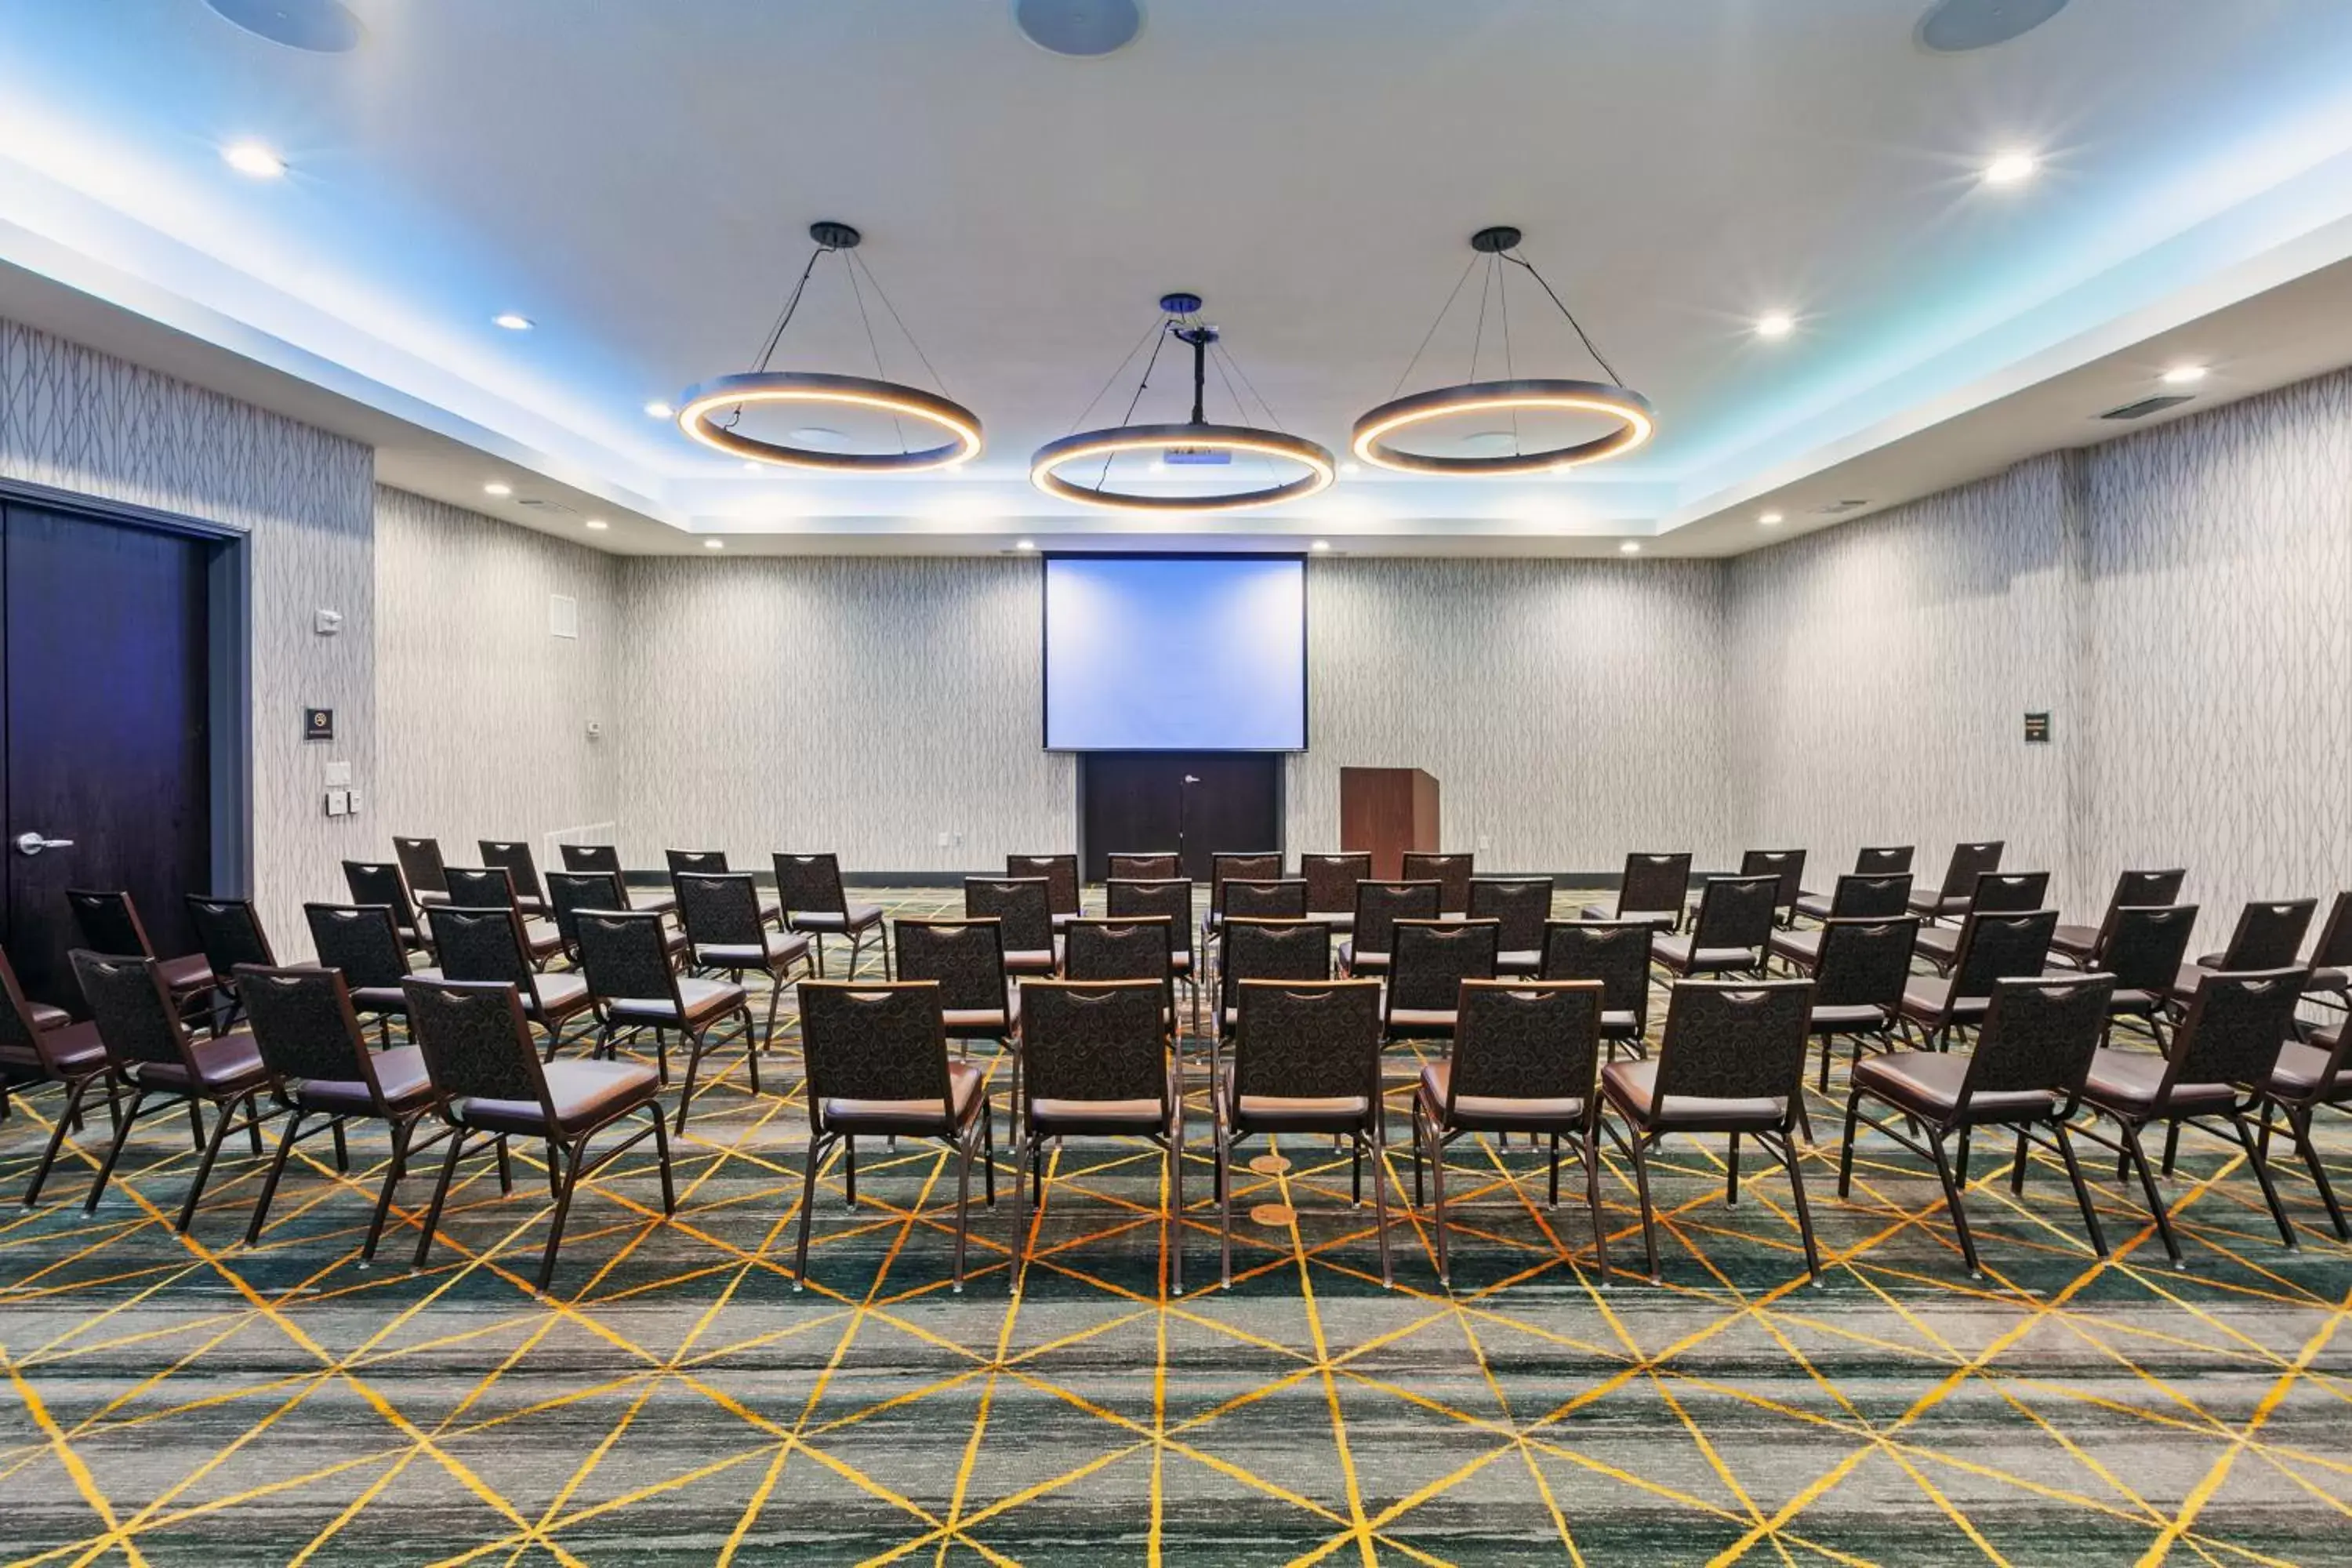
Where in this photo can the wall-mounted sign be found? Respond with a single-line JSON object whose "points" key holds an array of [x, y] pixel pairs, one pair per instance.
{"points": [[317, 723], [2037, 729]]}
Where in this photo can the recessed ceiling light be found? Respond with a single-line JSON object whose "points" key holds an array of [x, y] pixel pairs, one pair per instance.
{"points": [[599, 524], [512, 322], [1630, 547], [495, 488], [1320, 545], [2184, 375], [253, 158], [1767, 517], [658, 411], [1775, 325], [1024, 544], [714, 544], [2012, 169]]}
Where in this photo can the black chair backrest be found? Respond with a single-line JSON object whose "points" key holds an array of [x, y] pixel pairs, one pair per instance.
{"points": [[1614, 952], [302, 1023], [1519, 905], [2269, 934], [624, 955], [1871, 896], [1733, 1040], [358, 942], [2143, 945], [1254, 867], [1380, 905], [382, 882], [718, 909], [480, 944], [1309, 1040], [569, 892], [1273, 950], [1968, 862], [1142, 868], [2139, 890], [1279, 899], [964, 959], [1331, 880], [127, 1002], [1519, 1039], [2008, 892], [2040, 1035], [2001, 946], [1093, 1041], [1022, 905], [810, 884], [476, 1041], [1654, 884], [864, 1041], [1431, 959], [1451, 870], [420, 862], [514, 856], [1737, 912], [1865, 962], [230, 932], [1127, 899], [2333, 949], [1788, 865], [591, 858], [1061, 874], [480, 887], [2235, 1027], [695, 863], [108, 921], [1118, 950], [1883, 859]]}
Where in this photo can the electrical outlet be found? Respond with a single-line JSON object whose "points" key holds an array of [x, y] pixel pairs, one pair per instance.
{"points": [[353, 796], [1486, 841], [339, 802]]}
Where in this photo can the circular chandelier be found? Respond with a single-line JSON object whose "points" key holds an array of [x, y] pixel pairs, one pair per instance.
{"points": [[1378, 433], [1193, 441], [946, 433]]}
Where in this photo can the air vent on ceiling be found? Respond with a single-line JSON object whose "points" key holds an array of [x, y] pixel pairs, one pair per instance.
{"points": [[315, 27], [1083, 29], [1959, 26], [1839, 508], [2147, 406], [540, 503]]}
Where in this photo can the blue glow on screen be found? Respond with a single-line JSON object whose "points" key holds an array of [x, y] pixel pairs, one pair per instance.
{"points": [[1146, 655]]}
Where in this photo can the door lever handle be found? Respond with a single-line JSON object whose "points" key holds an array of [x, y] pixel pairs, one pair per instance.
{"points": [[33, 844]]}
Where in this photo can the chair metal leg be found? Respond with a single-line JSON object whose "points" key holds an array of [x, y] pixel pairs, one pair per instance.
{"points": [[572, 1163], [1437, 1186], [2017, 1166], [1225, 1203], [2263, 1178], [2171, 1145], [74, 1094], [1592, 1202], [1176, 1207], [342, 1151], [816, 1152], [1649, 1220], [440, 1194], [221, 1118], [1845, 1146], [113, 1152], [2301, 1127], [964, 1206], [1381, 1188], [1553, 1200], [196, 1125], [277, 1169], [1731, 1175], [1952, 1201], [401, 1133], [988, 1151], [695, 1041], [1020, 1264], [849, 1170], [1787, 1152], [2137, 1158], [2082, 1190]]}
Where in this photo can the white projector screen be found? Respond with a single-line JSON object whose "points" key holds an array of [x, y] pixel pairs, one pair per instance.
{"points": [[1157, 653]]}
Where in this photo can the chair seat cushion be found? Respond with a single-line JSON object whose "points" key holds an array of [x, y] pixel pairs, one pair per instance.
{"points": [[1937, 904], [67, 1048], [850, 918], [400, 1072], [1802, 948], [380, 999], [1619, 1023], [228, 1062], [1633, 1088], [965, 1080], [1360, 962], [988, 1021], [1337, 921], [2185, 983], [2301, 1067], [703, 1000], [1844, 1018], [1519, 960], [2130, 1081], [45, 1017], [1931, 1000], [2328, 982], [1818, 906], [1279, 1111], [1680, 953], [563, 992], [583, 1093], [1664, 920], [2130, 1001], [1421, 1020], [650, 900], [1929, 1083], [1046, 1111], [1938, 943], [2074, 941], [1496, 1111], [189, 971], [776, 948], [1030, 961]]}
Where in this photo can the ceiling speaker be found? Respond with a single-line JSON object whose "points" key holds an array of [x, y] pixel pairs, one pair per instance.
{"points": [[1956, 27], [315, 27], [1085, 29]]}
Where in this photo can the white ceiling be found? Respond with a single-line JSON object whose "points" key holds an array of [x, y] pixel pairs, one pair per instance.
{"points": [[638, 177]]}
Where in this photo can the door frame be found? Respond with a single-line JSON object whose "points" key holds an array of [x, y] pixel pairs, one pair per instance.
{"points": [[228, 676]]}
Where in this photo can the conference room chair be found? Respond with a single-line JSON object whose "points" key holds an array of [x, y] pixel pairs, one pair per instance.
{"points": [[1427, 964], [108, 920], [1653, 888], [1993, 948], [1097, 1063], [2025, 1073], [1121, 949], [1736, 919], [1267, 950], [1617, 955], [2141, 947], [421, 865], [1968, 861], [2330, 963], [41, 1044], [493, 887], [315, 1051], [2268, 935], [1996, 893], [1061, 875], [727, 929], [487, 946], [569, 892], [1859, 978], [713, 863], [808, 888], [1144, 867], [878, 1067], [362, 943], [1451, 870], [2217, 1068], [514, 856], [1379, 906], [1859, 896], [606, 857], [1022, 908], [382, 883], [1277, 899], [1788, 865], [1331, 886], [1883, 861], [1520, 907], [624, 958], [2310, 1076], [1731, 1061], [229, 933], [1526, 1058], [488, 1081], [149, 1047], [1171, 898], [1224, 865], [1305, 1059], [963, 961], [2079, 944]]}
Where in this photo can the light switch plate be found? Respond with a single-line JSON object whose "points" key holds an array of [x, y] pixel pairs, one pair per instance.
{"points": [[339, 802], [338, 774]]}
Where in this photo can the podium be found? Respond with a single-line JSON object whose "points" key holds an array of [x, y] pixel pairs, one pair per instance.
{"points": [[1385, 812]]}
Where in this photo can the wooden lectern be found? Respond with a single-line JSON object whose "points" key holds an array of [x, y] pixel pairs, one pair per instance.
{"points": [[1387, 811]]}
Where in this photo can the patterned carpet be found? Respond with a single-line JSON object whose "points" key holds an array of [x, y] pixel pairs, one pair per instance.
{"points": [[173, 1400]]}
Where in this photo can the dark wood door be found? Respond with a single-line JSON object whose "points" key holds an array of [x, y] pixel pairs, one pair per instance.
{"points": [[1130, 801], [105, 641]]}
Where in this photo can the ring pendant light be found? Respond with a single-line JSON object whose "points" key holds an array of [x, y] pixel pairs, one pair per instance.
{"points": [[1181, 322], [1377, 433], [710, 413]]}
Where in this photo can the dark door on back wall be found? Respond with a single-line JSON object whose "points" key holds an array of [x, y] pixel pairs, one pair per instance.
{"points": [[1130, 801], [105, 748]]}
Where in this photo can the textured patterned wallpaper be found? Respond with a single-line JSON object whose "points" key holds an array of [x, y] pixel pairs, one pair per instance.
{"points": [[82, 421], [481, 712]]}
